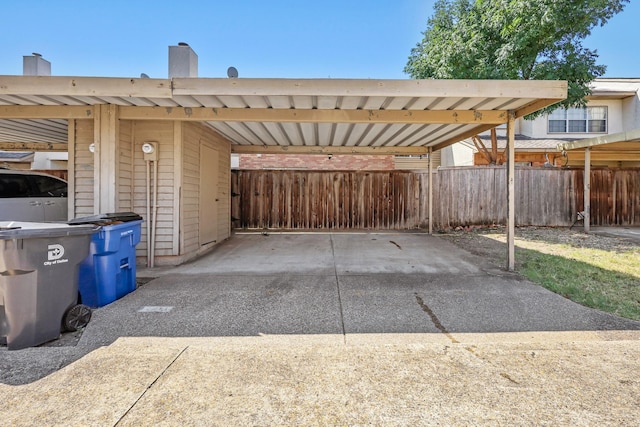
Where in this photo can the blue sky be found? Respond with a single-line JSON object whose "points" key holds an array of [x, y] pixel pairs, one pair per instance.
{"points": [[292, 39]]}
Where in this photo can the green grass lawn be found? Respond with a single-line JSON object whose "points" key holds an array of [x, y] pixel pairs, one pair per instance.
{"points": [[608, 280]]}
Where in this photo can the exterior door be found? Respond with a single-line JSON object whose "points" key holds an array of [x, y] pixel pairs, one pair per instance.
{"points": [[208, 195]]}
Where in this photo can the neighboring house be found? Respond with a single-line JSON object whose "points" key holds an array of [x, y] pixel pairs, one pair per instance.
{"points": [[16, 159], [52, 163], [460, 154], [613, 107], [529, 151], [315, 162], [53, 160], [334, 162]]}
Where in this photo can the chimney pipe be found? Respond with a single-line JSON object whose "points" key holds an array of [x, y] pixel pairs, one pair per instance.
{"points": [[35, 65], [183, 61]]}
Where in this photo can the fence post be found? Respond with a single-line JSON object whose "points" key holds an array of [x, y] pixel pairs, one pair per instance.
{"points": [[430, 190], [587, 190], [511, 200]]}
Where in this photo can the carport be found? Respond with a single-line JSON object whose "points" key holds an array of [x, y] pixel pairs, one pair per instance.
{"points": [[242, 115], [623, 146]]}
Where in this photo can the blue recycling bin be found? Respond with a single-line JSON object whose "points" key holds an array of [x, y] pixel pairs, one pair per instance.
{"points": [[109, 272]]}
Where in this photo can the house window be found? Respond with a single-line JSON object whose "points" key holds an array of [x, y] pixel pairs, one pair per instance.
{"points": [[578, 120]]}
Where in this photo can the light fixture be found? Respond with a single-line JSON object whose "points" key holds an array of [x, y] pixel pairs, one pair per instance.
{"points": [[92, 147], [329, 156]]}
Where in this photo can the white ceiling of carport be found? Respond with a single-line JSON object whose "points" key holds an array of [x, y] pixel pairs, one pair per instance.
{"points": [[335, 104]]}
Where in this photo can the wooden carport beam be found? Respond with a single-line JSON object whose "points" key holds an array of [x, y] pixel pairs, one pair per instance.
{"points": [[47, 112], [462, 136], [535, 106], [602, 142], [431, 88], [32, 146], [312, 149], [291, 115]]}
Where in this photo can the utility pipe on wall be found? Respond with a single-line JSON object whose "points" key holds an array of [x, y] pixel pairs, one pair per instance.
{"points": [[148, 215], [150, 150], [155, 212]]}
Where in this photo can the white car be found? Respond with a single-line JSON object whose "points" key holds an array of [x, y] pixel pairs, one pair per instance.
{"points": [[32, 196]]}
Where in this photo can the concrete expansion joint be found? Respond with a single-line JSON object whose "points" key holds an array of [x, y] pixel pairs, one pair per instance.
{"points": [[160, 375]]}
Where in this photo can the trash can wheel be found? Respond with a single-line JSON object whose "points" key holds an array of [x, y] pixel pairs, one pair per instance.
{"points": [[76, 317]]}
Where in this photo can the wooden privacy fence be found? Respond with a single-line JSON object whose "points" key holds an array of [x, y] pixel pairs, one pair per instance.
{"points": [[478, 196], [327, 199], [398, 200], [615, 196]]}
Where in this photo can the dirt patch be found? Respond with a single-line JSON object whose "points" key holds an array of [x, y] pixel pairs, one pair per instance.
{"points": [[490, 242]]}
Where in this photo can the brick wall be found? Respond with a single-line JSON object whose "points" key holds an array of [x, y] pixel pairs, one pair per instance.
{"points": [[316, 162]]}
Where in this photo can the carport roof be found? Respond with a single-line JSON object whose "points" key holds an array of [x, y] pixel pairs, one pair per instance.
{"points": [[280, 115], [617, 146]]}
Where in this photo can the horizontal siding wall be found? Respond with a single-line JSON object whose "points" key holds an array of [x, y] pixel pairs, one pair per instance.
{"points": [[190, 190], [125, 167], [195, 134], [317, 161], [83, 163], [162, 133]]}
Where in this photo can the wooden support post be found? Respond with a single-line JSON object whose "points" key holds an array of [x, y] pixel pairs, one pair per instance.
{"points": [[511, 201], [106, 159], [71, 169], [587, 190], [430, 190]]}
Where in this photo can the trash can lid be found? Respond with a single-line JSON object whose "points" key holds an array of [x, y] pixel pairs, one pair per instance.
{"points": [[107, 218], [25, 230]]}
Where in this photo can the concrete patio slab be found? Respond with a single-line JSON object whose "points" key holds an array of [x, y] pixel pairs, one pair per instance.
{"points": [[325, 329], [284, 381]]}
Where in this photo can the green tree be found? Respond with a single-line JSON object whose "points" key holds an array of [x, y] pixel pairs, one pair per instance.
{"points": [[513, 40]]}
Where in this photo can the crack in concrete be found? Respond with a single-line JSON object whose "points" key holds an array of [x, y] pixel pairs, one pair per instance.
{"points": [[434, 319], [507, 376], [399, 247], [438, 324]]}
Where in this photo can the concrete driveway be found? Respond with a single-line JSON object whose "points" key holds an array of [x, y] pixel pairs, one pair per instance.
{"points": [[339, 284], [630, 233], [290, 296]]}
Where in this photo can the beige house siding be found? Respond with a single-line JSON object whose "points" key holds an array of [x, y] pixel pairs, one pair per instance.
{"points": [[224, 187], [417, 162], [179, 192], [125, 176], [195, 134], [190, 188], [83, 176], [160, 132]]}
